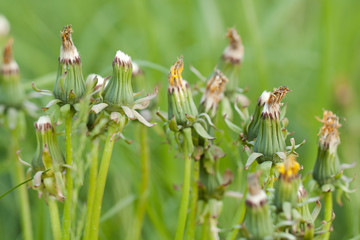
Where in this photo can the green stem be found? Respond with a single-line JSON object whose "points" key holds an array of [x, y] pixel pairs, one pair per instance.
{"points": [[145, 165], [205, 228], [69, 181], [101, 181], [92, 186], [55, 219], [328, 213], [193, 202], [240, 214], [23, 194], [185, 194]]}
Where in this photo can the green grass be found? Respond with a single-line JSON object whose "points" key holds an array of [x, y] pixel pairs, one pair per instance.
{"points": [[310, 46]]}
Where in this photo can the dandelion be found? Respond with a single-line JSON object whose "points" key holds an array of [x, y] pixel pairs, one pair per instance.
{"points": [[48, 163], [11, 91], [270, 139], [232, 59], [286, 188], [327, 163], [214, 93], [258, 221], [70, 84]]}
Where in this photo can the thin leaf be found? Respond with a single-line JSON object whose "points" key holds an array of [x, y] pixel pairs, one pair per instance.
{"points": [[44, 92], [117, 207], [142, 119], [316, 211], [12, 189], [201, 131], [252, 158], [232, 126], [129, 112], [98, 108]]}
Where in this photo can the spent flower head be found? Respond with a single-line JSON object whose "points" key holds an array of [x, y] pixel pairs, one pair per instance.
{"points": [[286, 188], [117, 93], [234, 52], [11, 91], [180, 98], [327, 164], [70, 84], [270, 139], [48, 164], [214, 92], [258, 221]]}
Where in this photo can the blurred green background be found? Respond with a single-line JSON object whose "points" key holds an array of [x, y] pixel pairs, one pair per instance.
{"points": [[313, 47]]}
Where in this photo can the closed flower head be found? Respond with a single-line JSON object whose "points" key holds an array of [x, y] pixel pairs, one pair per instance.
{"points": [[286, 188], [48, 162], [327, 163], [70, 84], [258, 220], [11, 91], [214, 92], [270, 139], [118, 91], [180, 98], [231, 60], [234, 52]]}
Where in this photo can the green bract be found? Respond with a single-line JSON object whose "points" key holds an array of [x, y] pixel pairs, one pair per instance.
{"points": [[70, 84]]}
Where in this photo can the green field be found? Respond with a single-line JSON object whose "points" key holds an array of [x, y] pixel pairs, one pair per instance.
{"points": [[312, 47]]}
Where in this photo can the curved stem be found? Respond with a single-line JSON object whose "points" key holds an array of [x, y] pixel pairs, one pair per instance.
{"points": [[69, 181], [185, 194], [101, 181], [23, 194], [145, 165], [193, 202], [55, 220], [328, 213], [92, 186]]}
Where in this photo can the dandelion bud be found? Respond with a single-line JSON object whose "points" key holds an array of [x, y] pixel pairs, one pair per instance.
{"points": [[180, 98], [270, 138], [118, 91], [232, 58], [48, 161], [257, 221], [70, 84], [11, 91], [327, 163], [286, 188], [214, 93], [254, 125]]}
